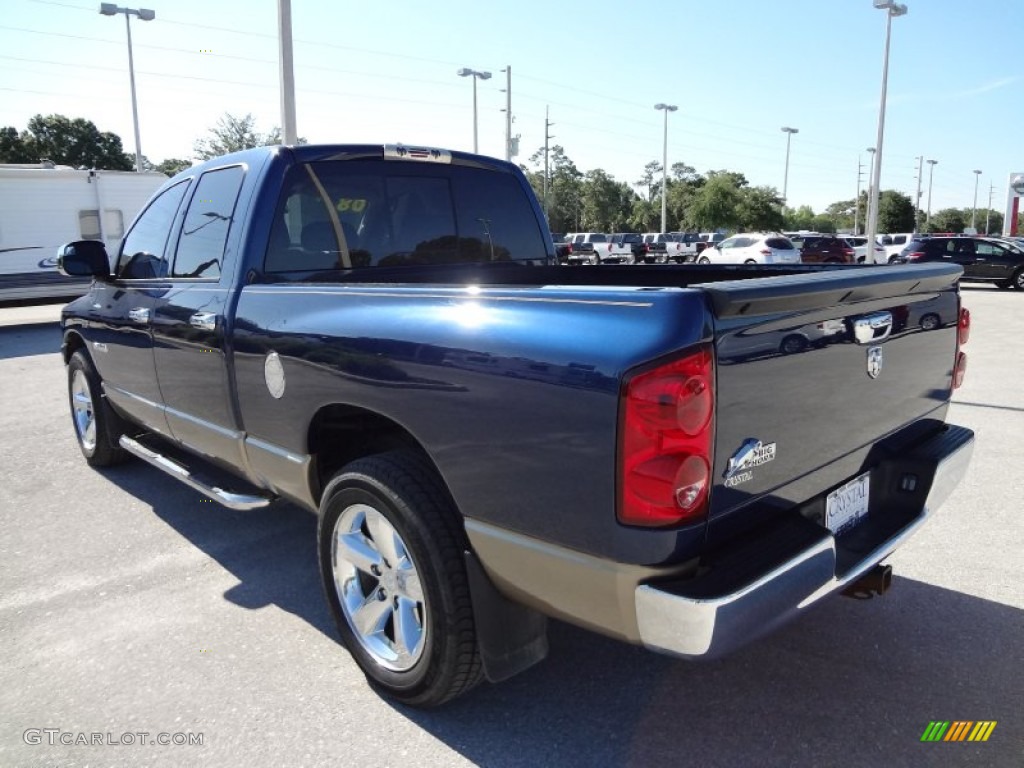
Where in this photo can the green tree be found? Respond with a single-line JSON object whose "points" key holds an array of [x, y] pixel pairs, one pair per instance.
{"points": [[799, 218], [650, 182], [895, 212], [716, 204], [565, 189], [760, 209], [233, 134], [173, 165], [12, 148], [840, 213], [949, 220], [65, 141], [645, 215]]}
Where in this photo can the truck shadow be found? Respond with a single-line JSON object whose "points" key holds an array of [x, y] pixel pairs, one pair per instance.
{"points": [[29, 340], [851, 683], [271, 551]]}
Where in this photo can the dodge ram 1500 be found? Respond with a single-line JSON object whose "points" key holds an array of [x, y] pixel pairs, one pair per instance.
{"points": [[381, 335]]}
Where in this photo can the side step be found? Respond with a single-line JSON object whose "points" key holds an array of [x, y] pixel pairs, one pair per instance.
{"points": [[238, 501]]}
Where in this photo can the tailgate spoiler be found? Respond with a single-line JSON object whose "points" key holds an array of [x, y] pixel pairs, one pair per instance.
{"points": [[826, 288]]}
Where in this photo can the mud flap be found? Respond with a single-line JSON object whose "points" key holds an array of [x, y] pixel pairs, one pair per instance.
{"points": [[512, 638]]}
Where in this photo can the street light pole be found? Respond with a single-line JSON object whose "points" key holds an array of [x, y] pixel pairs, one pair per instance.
{"points": [[974, 210], [466, 72], [931, 173], [891, 11], [664, 164], [144, 14], [785, 178], [867, 202]]}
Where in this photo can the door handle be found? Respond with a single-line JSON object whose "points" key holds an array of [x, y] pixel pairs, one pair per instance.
{"points": [[139, 315], [206, 321]]}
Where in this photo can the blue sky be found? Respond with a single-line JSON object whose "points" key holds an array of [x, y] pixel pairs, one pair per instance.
{"points": [[386, 71]]}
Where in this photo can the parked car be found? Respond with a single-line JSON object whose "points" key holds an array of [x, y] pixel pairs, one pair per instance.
{"points": [[688, 246], [561, 246], [860, 250], [984, 259], [587, 248], [751, 248], [894, 243], [661, 248], [625, 248], [319, 324], [709, 240], [827, 249]]}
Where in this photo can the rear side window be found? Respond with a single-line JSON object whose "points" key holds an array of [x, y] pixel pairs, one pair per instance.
{"points": [[780, 243], [205, 231], [364, 213]]}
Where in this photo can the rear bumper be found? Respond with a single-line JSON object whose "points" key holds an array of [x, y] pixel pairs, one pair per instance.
{"points": [[709, 616]]}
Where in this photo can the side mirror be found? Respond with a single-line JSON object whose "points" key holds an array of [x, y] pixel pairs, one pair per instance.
{"points": [[84, 258]]}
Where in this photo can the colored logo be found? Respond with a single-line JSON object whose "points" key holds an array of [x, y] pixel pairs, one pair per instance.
{"points": [[958, 730]]}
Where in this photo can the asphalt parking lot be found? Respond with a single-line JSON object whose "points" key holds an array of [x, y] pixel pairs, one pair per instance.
{"points": [[132, 608]]}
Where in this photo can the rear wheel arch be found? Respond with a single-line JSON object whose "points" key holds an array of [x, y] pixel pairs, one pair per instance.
{"points": [[340, 434]]}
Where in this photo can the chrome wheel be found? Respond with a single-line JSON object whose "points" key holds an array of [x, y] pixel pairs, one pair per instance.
{"points": [[1018, 281], [930, 322], [704, 260], [83, 411], [379, 588]]}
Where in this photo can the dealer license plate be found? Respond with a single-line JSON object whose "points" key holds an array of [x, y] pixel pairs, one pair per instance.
{"points": [[846, 506]]}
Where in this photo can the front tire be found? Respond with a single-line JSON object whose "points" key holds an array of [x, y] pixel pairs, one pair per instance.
{"points": [[1018, 280], [391, 550], [97, 427]]}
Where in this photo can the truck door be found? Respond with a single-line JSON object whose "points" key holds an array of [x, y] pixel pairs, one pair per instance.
{"points": [[121, 314], [188, 319]]}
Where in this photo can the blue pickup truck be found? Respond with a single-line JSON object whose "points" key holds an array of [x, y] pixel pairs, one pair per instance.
{"points": [[382, 336]]}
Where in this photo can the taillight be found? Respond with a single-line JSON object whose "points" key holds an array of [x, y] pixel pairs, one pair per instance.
{"points": [[964, 325], [766, 251], [569, 250], [849, 253], [665, 442], [915, 256], [963, 333]]}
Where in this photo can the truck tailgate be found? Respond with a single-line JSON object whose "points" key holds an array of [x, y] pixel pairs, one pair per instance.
{"points": [[813, 369]]}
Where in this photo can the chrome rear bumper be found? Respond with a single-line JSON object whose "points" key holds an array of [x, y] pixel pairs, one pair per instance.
{"points": [[708, 626]]}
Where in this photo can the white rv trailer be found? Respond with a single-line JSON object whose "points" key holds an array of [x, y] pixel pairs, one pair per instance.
{"points": [[44, 206]]}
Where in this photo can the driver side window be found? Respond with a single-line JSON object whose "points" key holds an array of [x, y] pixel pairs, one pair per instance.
{"points": [[143, 248]]}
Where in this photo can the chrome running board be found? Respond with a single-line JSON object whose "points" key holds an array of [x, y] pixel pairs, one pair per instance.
{"points": [[231, 500]]}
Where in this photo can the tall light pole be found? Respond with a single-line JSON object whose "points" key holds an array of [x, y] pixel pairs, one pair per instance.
{"points": [[289, 130], [867, 206], [974, 210], [664, 163], [466, 72], [931, 173], [785, 178], [144, 14], [892, 10]]}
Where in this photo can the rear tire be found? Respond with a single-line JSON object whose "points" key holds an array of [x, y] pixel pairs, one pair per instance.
{"points": [[930, 322], [97, 427], [703, 260], [391, 547], [750, 261], [1018, 280]]}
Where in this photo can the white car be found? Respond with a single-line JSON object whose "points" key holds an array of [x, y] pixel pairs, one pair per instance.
{"points": [[895, 243], [860, 250], [752, 248]]}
